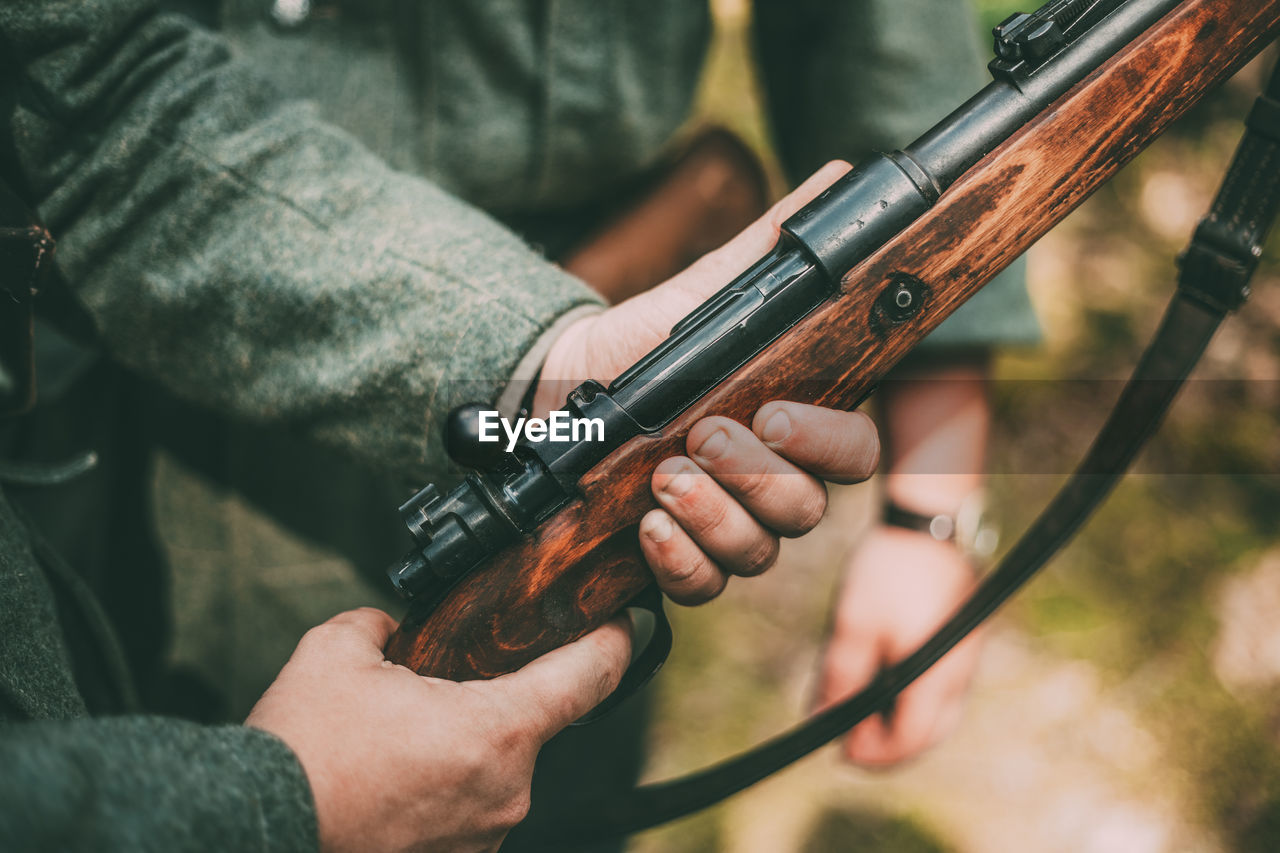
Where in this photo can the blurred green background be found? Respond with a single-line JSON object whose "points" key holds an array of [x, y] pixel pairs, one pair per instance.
{"points": [[1129, 701]]}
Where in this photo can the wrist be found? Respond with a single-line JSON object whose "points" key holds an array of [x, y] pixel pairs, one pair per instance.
{"points": [[564, 365], [968, 527], [940, 526], [932, 493]]}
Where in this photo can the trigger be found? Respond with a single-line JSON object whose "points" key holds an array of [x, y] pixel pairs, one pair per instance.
{"points": [[652, 636]]}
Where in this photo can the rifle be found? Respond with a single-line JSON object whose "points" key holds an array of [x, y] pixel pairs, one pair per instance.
{"points": [[540, 546]]}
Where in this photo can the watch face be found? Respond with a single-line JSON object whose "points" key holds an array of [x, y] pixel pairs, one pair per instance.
{"points": [[942, 528]]}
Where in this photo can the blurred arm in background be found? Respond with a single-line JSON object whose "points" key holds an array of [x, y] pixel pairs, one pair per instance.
{"points": [[900, 583], [846, 80]]}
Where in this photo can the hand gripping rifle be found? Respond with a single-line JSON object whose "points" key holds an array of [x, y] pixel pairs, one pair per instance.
{"points": [[540, 546]]}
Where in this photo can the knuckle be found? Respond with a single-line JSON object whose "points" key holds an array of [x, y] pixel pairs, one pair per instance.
{"points": [[869, 441], [702, 510], [699, 596], [319, 636], [716, 513], [561, 711], [852, 460], [705, 586], [757, 486], [502, 741], [860, 449], [760, 556], [612, 676], [684, 572], [472, 758], [518, 808], [611, 669], [805, 511], [513, 810], [606, 679], [809, 511]]}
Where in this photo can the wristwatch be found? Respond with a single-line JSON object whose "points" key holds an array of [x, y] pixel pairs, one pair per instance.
{"points": [[970, 528]]}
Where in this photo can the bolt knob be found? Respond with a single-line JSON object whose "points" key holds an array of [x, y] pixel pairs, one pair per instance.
{"points": [[462, 439]]}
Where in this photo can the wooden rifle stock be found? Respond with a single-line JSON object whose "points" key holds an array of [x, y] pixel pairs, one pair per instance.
{"points": [[583, 564]]}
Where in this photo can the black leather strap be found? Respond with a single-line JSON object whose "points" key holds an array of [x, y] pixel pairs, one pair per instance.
{"points": [[1213, 280], [941, 526]]}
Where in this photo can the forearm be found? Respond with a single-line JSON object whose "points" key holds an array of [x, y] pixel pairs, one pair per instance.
{"points": [[238, 250], [936, 419], [149, 784], [900, 584]]}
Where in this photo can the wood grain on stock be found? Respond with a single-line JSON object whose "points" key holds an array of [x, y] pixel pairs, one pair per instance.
{"points": [[584, 563]]}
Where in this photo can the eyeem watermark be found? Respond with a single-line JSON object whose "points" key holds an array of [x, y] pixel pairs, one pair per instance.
{"points": [[559, 426]]}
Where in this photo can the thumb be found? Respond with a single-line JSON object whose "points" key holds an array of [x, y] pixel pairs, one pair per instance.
{"points": [[715, 269], [603, 346], [561, 686]]}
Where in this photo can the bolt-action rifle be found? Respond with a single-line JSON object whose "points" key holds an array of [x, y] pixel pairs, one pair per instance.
{"points": [[540, 546]]}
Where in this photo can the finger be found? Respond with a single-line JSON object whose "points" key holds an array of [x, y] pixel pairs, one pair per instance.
{"points": [[563, 685], [867, 739], [683, 571], [923, 715], [355, 636], [849, 665], [841, 447], [780, 495], [719, 525], [908, 730]]}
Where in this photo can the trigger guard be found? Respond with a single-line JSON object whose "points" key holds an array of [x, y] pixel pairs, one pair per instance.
{"points": [[645, 665]]}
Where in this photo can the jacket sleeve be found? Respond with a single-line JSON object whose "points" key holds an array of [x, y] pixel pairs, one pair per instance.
{"points": [[842, 80], [245, 254], [79, 785]]}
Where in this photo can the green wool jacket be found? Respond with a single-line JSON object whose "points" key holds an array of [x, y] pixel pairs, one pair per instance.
{"points": [[129, 782], [273, 224]]}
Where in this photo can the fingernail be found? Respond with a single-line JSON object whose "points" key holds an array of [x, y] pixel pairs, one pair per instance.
{"points": [[658, 527], [713, 447], [679, 485], [777, 428]]}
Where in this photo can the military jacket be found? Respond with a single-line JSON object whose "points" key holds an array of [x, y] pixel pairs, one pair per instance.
{"points": [[301, 228]]}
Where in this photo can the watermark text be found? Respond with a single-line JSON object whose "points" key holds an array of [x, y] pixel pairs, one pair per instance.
{"points": [[559, 425]]}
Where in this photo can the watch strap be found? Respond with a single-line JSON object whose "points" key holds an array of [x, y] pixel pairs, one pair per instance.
{"points": [[941, 527]]}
